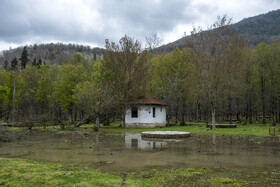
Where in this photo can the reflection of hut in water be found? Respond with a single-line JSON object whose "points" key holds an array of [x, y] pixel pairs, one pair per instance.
{"points": [[135, 141]]}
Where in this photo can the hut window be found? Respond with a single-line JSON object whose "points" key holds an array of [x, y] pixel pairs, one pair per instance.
{"points": [[134, 112], [154, 112], [160, 109]]}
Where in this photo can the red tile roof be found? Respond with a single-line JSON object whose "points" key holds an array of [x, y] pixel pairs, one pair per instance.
{"points": [[148, 101]]}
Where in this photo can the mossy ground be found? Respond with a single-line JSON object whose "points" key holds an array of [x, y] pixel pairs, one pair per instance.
{"points": [[19, 172]]}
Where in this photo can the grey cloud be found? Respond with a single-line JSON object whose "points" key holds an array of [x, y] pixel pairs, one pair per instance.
{"points": [[51, 20], [148, 15], [22, 21]]}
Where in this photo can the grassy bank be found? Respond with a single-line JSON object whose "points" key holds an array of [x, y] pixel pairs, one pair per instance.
{"points": [[18, 172], [249, 129]]}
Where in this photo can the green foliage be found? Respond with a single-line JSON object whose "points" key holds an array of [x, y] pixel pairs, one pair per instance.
{"points": [[3, 92], [24, 57], [87, 95], [6, 85], [29, 81], [14, 63], [127, 68], [171, 78], [44, 85], [64, 87]]}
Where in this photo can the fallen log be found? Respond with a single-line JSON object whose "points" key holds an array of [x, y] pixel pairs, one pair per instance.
{"points": [[86, 120], [221, 126]]}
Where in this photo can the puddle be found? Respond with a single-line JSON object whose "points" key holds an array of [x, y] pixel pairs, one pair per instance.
{"points": [[127, 152]]}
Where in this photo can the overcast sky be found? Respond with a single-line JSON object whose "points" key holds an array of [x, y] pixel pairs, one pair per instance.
{"points": [[90, 22]]}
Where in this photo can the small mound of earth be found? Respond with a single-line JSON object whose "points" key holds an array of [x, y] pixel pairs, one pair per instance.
{"points": [[165, 134]]}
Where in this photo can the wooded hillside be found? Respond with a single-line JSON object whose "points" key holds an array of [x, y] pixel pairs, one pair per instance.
{"points": [[49, 53], [257, 29]]}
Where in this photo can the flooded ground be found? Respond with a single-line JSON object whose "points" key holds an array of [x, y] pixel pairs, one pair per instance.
{"points": [[124, 152]]}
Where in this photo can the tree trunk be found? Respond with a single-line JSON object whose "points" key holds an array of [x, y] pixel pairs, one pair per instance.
{"points": [[176, 116], [81, 114], [238, 111], [213, 115], [123, 120], [250, 113], [75, 114], [183, 115], [97, 124], [230, 110], [197, 110], [277, 110], [247, 108], [86, 120], [14, 102], [263, 100], [167, 120], [70, 116]]}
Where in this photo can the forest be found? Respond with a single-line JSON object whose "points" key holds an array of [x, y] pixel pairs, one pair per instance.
{"points": [[215, 78]]}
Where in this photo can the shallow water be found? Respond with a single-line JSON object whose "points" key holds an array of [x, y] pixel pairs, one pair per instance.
{"points": [[128, 151]]}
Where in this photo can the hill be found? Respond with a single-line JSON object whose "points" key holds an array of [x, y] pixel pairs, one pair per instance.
{"points": [[261, 28], [51, 53]]}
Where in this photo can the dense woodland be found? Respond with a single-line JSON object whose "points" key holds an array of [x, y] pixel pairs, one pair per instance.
{"points": [[217, 77]]}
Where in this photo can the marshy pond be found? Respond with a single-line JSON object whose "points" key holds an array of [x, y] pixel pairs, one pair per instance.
{"points": [[125, 152]]}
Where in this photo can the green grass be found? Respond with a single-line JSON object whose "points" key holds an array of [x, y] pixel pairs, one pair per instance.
{"points": [[20, 172], [249, 129], [226, 181], [200, 128]]}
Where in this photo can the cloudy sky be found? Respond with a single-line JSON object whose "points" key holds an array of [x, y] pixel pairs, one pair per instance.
{"points": [[90, 22]]}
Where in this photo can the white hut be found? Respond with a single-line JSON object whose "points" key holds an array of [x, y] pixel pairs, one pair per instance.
{"points": [[146, 113]]}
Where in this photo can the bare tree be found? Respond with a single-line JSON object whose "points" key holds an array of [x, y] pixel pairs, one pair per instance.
{"points": [[153, 41], [211, 49]]}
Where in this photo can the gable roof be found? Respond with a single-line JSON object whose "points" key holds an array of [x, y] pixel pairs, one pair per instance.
{"points": [[148, 101]]}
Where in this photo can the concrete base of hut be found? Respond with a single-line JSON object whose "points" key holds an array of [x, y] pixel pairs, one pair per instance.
{"points": [[144, 125]]}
